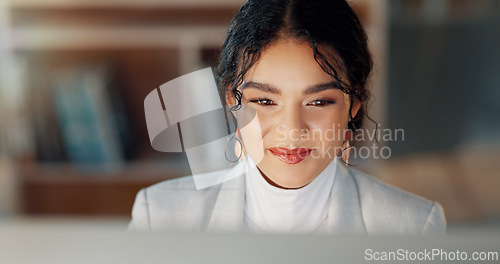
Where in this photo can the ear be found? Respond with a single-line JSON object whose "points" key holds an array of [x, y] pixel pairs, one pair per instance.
{"points": [[355, 108], [230, 101]]}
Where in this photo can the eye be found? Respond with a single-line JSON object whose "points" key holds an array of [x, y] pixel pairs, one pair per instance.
{"points": [[321, 102], [263, 102]]}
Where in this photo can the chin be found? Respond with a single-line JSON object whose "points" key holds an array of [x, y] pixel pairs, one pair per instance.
{"points": [[288, 176]]}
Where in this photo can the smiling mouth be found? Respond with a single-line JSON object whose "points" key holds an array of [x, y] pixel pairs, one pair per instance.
{"points": [[291, 156]]}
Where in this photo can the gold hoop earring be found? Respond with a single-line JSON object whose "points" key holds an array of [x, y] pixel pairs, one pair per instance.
{"points": [[345, 153], [241, 148]]}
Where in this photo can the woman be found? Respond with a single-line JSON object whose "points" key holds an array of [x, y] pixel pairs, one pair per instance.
{"points": [[292, 71]]}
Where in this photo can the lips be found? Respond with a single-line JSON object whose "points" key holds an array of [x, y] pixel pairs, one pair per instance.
{"points": [[291, 156]]}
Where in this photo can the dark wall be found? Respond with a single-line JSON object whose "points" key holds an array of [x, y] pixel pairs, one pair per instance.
{"points": [[444, 83]]}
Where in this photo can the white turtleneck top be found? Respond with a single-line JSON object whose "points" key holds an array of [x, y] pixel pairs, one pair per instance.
{"points": [[272, 209]]}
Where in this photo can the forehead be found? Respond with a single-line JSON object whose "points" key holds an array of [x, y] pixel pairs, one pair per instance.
{"points": [[288, 64]]}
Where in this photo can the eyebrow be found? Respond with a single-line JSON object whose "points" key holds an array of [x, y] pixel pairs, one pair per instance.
{"points": [[309, 90]]}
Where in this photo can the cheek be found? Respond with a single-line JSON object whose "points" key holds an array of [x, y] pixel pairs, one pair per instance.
{"points": [[328, 119], [249, 125], [251, 133], [261, 126], [328, 129]]}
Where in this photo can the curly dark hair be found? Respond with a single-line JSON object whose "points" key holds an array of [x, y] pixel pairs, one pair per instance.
{"points": [[331, 27]]}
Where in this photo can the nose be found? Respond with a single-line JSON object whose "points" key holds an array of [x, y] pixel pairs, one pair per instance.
{"points": [[293, 122]]}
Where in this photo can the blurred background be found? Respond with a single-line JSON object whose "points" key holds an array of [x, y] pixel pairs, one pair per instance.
{"points": [[74, 75]]}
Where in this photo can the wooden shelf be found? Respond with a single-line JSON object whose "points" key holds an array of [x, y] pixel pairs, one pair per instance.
{"points": [[64, 38], [62, 190], [136, 172]]}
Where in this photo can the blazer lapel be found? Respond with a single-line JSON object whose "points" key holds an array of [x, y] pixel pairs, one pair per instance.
{"points": [[344, 214], [228, 211]]}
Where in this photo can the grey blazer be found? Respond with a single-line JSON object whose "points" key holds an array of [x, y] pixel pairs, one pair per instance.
{"points": [[360, 205]]}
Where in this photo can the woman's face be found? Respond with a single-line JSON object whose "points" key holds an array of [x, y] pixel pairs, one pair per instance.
{"points": [[288, 93]]}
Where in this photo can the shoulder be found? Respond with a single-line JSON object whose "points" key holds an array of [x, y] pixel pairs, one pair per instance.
{"points": [[174, 204], [387, 209], [385, 194], [205, 183], [176, 192]]}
